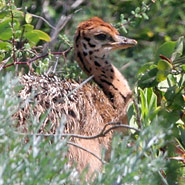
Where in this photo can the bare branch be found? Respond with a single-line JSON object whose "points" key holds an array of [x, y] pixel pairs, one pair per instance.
{"points": [[63, 20], [78, 146], [63, 53], [76, 4], [101, 134], [125, 66], [4, 62], [42, 18]]}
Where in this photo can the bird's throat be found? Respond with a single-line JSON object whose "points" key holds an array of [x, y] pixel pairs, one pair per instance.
{"points": [[107, 76], [113, 84]]}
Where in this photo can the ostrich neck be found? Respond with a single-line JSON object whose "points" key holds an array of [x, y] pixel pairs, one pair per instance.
{"points": [[107, 76]]}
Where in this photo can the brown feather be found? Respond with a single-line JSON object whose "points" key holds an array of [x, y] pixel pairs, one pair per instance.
{"points": [[88, 109]]}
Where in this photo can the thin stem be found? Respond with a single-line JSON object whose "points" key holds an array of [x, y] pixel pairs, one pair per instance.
{"points": [[42, 18], [163, 179], [4, 62], [78, 146]]}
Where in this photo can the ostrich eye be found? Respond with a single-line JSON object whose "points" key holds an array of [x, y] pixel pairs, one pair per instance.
{"points": [[101, 37]]}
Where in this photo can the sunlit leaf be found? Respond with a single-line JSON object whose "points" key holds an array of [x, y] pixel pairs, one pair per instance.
{"points": [[161, 76], [163, 85], [164, 65], [28, 18], [35, 35], [183, 67], [42, 35]]}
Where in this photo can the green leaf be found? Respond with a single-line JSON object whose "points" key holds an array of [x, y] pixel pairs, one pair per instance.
{"points": [[182, 131], [170, 93], [163, 85], [28, 27], [18, 14], [183, 67], [137, 10], [145, 16], [148, 79], [179, 49], [144, 109], [179, 102], [151, 99], [5, 46], [164, 65], [2, 56], [28, 18], [161, 76], [146, 67], [4, 13], [42, 35], [6, 30], [35, 35], [148, 102], [32, 37], [166, 49], [124, 29]]}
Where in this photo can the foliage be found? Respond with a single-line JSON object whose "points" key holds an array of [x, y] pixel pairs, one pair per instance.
{"points": [[158, 111], [155, 155], [28, 159]]}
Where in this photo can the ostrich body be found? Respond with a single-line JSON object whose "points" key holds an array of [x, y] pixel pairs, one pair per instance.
{"points": [[88, 109]]}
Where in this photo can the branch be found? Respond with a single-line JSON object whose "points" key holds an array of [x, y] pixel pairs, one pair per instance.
{"points": [[78, 146], [4, 62], [63, 20], [63, 53], [101, 134], [76, 4], [42, 18]]}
